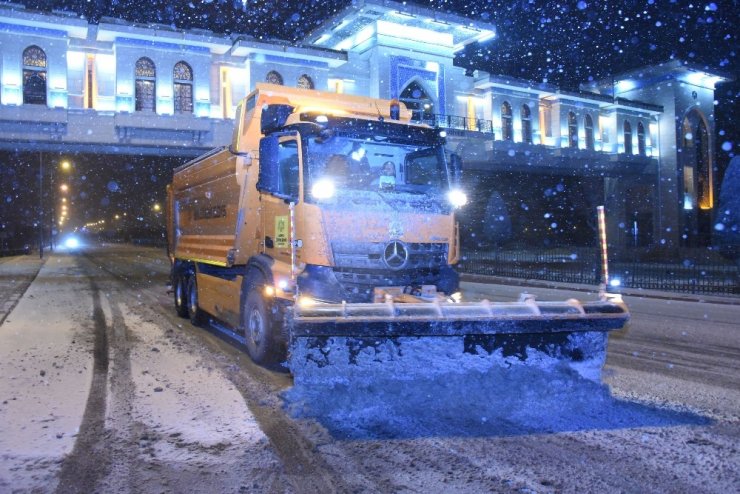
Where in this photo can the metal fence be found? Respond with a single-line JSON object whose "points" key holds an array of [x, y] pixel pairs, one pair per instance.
{"points": [[459, 123], [15, 252], [710, 275]]}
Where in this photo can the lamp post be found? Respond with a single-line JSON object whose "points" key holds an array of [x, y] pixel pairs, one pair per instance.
{"points": [[41, 205], [66, 166]]}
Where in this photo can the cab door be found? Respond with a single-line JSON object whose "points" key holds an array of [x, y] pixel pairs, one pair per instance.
{"points": [[279, 185]]}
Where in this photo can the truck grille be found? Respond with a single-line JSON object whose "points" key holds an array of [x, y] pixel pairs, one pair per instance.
{"points": [[370, 255], [359, 285], [360, 267]]}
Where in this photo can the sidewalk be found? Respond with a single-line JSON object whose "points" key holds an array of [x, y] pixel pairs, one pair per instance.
{"points": [[16, 274], [46, 366]]}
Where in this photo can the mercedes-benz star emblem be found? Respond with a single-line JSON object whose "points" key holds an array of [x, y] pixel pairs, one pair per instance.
{"points": [[396, 255]]}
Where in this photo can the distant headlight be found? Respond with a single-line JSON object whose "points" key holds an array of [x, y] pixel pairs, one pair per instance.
{"points": [[71, 243], [323, 189], [457, 198], [615, 282]]}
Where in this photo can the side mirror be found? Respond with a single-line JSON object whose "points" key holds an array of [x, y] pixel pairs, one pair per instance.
{"points": [[395, 110], [273, 117], [268, 178]]}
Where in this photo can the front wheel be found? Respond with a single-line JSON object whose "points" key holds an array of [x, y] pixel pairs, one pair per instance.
{"points": [[197, 316], [259, 331]]}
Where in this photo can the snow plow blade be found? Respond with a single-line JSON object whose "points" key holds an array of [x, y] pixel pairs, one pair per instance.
{"points": [[457, 319], [347, 335]]}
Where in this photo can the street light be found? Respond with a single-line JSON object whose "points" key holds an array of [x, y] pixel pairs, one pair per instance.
{"points": [[66, 166]]}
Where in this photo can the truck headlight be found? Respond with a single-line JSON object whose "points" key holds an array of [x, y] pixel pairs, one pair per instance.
{"points": [[323, 189], [457, 198]]}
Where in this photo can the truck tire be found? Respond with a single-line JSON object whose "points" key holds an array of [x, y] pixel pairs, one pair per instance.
{"points": [[259, 330], [197, 316], [181, 295]]}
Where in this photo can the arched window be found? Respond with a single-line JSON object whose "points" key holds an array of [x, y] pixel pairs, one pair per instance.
{"points": [[640, 139], [572, 130], [526, 125], [627, 138], [305, 82], [34, 76], [695, 156], [418, 102], [703, 169], [507, 128], [182, 75], [146, 81], [588, 124], [274, 77]]}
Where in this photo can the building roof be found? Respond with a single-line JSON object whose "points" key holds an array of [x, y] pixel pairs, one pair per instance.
{"points": [[365, 18], [688, 72]]}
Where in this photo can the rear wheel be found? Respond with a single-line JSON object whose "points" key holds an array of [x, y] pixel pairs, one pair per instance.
{"points": [[181, 295], [259, 329], [197, 316]]}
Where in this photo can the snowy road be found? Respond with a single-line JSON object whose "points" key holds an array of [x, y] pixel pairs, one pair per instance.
{"points": [[104, 389]]}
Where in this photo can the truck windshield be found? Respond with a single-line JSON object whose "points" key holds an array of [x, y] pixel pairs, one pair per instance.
{"points": [[395, 170]]}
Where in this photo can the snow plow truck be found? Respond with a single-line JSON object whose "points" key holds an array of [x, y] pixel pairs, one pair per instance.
{"points": [[326, 228]]}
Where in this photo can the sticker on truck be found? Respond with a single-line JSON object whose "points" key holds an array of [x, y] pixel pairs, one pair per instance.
{"points": [[281, 232]]}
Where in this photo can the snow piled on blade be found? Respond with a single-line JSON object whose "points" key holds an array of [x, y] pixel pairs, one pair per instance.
{"points": [[426, 387], [352, 360]]}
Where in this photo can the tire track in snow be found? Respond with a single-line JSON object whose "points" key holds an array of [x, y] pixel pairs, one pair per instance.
{"points": [[302, 463], [90, 458], [124, 430]]}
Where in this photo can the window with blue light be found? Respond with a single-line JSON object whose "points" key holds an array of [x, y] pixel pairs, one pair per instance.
{"points": [[182, 77], [274, 77], [572, 130], [627, 137], [526, 125], [305, 82], [507, 127], [588, 124], [146, 80], [640, 139], [34, 76]]}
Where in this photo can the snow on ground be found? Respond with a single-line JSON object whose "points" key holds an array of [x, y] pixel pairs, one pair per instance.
{"points": [[99, 390], [430, 387], [46, 368], [16, 273], [179, 415], [181, 398]]}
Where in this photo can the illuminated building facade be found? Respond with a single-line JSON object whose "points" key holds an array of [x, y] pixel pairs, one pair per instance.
{"points": [[642, 145]]}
